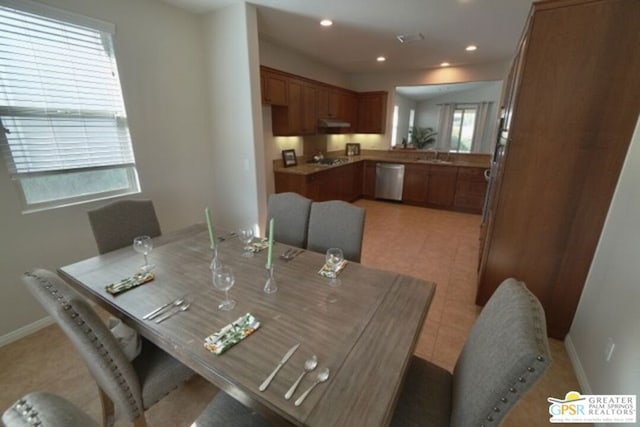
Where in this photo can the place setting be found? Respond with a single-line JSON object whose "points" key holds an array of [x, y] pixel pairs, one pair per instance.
{"points": [[144, 246]]}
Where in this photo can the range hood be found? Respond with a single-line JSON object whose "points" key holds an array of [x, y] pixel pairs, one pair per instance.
{"points": [[333, 123]]}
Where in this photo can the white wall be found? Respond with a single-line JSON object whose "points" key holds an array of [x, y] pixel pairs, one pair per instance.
{"points": [[231, 49], [428, 113], [159, 53], [610, 302]]}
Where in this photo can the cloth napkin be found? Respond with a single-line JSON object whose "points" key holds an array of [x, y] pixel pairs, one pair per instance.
{"points": [[129, 283], [325, 271], [258, 245], [231, 334]]}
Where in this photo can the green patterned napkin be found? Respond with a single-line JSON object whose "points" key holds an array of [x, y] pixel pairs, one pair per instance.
{"points": [[325, 271], [129, 283], [258, 245], [231, 334]]}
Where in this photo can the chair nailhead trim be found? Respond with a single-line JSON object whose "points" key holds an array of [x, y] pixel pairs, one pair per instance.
{"points": [[522, 379], [540, 358], [512, 389], [134, 408], [504, 400], [489, 418], [531, 369], [496, 409]]}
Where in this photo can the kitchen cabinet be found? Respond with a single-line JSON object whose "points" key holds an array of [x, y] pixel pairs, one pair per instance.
{"points": [[416, 180], [275, 88], [336, 183], [299, 117], [471, 189], [568, 114], [338, 104], [369, 179], [441, 186], [372, 112]]}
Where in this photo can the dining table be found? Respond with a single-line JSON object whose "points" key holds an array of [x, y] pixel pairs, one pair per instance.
{"points": [[363, 330]]}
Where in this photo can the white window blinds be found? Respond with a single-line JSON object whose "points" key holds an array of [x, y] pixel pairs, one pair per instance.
{"points": [[60, 101]]}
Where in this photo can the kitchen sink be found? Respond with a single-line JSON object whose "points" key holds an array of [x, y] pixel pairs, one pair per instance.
{"points": [[434, 161]]}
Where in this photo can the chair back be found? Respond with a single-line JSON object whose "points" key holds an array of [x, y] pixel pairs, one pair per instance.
{"points": [[45, 409], [98, 347], [336, 224], [506, 352], [115, 225], [291, 213]]}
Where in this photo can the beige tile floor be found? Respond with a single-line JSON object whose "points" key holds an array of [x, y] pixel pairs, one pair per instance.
{"points": [[434, 245]]}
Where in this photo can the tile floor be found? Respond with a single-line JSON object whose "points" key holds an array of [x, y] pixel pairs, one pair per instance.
{"points": [[433, 245]]}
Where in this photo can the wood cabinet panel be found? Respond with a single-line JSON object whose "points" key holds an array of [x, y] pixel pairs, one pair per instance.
{"points": [[568, 121], [372, 112], [275, 88], [441, 186], [299, 117], [369, 179], [416, 184], [471, 189]]}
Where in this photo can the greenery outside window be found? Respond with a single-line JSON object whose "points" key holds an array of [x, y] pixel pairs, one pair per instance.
{"points": [[463, 124], [63, 126]]}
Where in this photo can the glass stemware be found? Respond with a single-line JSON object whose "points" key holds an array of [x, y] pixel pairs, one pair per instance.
{"points": [[223, 280], [144, 245], [333, 259], [246, 236]]}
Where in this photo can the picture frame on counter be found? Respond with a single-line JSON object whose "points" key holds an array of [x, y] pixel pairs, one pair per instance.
{"points": [[352, 149], [289, 158]]}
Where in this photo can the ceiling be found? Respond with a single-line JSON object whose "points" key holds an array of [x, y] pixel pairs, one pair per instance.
{"points": [[366, 29], [422, 93]]}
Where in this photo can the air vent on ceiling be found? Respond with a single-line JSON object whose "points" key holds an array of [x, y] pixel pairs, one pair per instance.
{"points": [[408, 38]]}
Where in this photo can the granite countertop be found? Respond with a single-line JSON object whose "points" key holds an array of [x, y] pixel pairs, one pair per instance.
{"points": [[311, 168]]}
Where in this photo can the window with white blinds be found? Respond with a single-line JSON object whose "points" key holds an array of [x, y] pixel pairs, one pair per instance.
{"points": [[65, 133]]}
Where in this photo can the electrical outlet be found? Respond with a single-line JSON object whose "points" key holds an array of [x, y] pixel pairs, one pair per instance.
{"points": [[608, 351]]}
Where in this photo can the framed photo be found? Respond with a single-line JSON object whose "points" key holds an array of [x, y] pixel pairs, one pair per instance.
{"points": [[289, 158], [352, 149]]}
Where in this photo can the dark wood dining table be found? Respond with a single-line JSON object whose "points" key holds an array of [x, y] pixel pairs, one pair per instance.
{"points": [[364, 331]]}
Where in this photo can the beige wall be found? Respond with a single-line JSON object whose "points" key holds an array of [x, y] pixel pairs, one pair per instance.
{"points": [[609, 306], [159, 53]]}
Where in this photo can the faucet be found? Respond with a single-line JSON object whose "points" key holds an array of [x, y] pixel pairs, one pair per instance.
{"points": [[435, 153]]}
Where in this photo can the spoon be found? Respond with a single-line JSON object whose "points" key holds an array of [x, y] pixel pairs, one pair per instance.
{"points": [[309, 366], [175, 311], [323, 375], [157, 311]]}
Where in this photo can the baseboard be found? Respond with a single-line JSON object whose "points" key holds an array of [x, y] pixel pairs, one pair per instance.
{"points": [[26, 330], [577, 366]]}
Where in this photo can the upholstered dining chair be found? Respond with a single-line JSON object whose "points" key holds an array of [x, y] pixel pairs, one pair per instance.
{"points": [[46, 410], [291, 213], [130, 386], [336, 224], [506, 352], [116, 224]]}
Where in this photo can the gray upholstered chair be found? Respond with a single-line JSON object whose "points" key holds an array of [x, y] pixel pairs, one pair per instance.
{"points": [[46, 410], [132, 386], [291, 213], [116, 224], [336, 224], [506, 352]]}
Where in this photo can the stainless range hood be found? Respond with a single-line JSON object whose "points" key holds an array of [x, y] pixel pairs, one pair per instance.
{"points": [[333, 123]]}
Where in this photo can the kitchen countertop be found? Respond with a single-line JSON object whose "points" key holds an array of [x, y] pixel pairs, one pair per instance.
{"points": [[311, 168]]}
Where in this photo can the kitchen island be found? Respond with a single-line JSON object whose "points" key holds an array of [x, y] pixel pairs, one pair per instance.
{"points": [[452, 181]]}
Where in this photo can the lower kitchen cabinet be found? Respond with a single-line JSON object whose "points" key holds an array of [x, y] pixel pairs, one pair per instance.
{"points": [[415, 188], [471, 188], [338, 183], [369, 180], [442, 186]]}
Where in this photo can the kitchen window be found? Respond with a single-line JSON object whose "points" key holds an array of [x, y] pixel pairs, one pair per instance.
{"points": [[463, 124], [63, 130]]}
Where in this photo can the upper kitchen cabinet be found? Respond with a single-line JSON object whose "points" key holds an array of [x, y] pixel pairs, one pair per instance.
{"points": [[372, 112], [299, 117], [337, 104], [275, 87], [570, 108]]}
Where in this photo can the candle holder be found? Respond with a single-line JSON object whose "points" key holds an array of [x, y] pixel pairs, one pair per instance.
{"points": [[215, 261], [270, 286]]}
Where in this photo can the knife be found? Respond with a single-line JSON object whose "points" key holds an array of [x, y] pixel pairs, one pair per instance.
{"points": [[286, 357]]}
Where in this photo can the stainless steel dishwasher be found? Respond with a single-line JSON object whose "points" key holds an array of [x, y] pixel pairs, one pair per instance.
{"points": [[389, 181]]}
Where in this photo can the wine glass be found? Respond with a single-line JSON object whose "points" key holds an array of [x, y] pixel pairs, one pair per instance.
{"points": [[246, 236], [333, 259], [223, 280], [144, 245]]}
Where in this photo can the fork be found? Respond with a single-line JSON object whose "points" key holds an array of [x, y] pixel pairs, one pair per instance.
{"points": [[287, 254], [292, 254]]}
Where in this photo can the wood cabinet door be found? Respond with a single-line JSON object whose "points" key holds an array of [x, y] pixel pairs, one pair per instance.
{"points": [[372, 112], [308, 106], [274, 88], [442, 185], [471, 188], [369, 180], [416, 184]]}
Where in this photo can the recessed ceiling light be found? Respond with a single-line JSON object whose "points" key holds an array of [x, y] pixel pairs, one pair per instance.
{"points": [[326, 22], [444, 64], [471, 48], [381, 59]]}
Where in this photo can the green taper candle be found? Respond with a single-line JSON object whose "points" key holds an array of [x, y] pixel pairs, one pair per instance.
{"points": [[270, 248], [212, 239]]}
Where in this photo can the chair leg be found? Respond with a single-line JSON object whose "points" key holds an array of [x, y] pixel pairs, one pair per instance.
{"points": [[108, 412], [140, 421]]}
